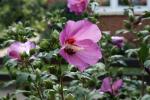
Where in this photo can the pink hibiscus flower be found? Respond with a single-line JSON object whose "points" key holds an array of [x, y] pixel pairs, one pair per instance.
{"points": [[79, 44], [108, 87], [17, 48], [77, 6]]}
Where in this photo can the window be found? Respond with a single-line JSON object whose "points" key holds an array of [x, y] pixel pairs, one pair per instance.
{"points": [[103, 2], [134, 2], [117, 7]]}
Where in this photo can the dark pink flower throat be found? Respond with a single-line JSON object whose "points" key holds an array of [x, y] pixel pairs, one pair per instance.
{"points": [[68, 49], [70, 41]]}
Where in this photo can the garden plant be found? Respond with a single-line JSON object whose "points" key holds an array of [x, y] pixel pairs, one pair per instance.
{"points": [[59, 52]]}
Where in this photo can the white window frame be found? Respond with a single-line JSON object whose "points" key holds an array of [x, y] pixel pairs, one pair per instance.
{"points": [[115, 9]]}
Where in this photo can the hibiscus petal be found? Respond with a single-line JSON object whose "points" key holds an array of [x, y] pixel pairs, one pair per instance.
{"points": [[116, 86], [29, 45], [13, 50], [74, 60], [14, 55], [106, 85], [88, 31], [67, 32], [80, 30], [15, 46], [91, 52], [71, 28]]}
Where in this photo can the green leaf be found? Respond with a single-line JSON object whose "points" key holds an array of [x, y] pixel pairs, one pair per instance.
{"points": [[95, 95], [11, 63], [147, 64], [147, 14], [48, 55], [145, 39], [146, 97], [6, 84], [131, 52], [143, 52], [24, 77], [21, 91], [123, 31], [97, 69], [127, 24], [116, 57], [71, 75]]}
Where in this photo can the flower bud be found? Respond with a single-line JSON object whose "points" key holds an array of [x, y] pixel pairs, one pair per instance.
{"points": [[32, 51], [70, 97], [37, 64], [127, 24], [148, 89], [24, 55], [48, 84], [120, 72], [44, 44], [38, 71]]}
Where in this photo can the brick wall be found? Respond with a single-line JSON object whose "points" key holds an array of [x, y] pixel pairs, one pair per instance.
{"points": [[115, 22]]}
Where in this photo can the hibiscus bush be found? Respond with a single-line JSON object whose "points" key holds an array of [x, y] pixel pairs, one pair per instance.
{"points": [[60, 53]]}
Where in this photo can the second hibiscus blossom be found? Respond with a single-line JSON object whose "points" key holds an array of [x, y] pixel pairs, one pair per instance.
{"points": [[77, 6], [79, 43], [17, 48]]}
